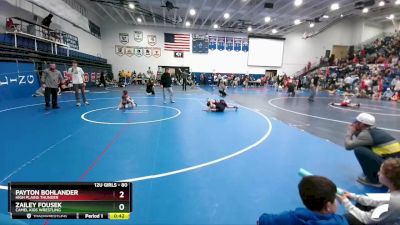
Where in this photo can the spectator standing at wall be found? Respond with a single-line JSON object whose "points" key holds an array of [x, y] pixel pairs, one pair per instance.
{"points": [[313, 88], [166, 84], [102, 80], [47, 20]]}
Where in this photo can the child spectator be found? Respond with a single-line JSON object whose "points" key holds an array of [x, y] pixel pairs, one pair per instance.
{"points": [[318, 195], [383, 212], [388, 94]]}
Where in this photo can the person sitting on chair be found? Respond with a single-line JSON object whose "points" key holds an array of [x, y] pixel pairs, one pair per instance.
{"points": [[371, 146]]}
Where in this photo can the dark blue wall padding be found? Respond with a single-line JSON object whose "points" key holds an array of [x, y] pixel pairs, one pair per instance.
{"points": [[17, 79]]}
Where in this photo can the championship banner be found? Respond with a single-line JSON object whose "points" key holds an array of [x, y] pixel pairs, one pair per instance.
{"points": [[147, 52], [67, 76], [93, 77], [119, 50], [245, 45], [221, 43], [229, 43], [212, 42], [138, 36], [156, 52], [237, 44], [199, 43], [152, 40], [138, 51], [97, 76], [86, 77], [124, 38], [129, 51]]}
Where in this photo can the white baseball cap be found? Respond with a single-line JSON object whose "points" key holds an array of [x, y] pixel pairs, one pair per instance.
{"points": [[366, 119]]}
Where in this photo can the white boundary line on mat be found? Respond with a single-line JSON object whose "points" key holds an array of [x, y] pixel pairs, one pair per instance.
{"points": [[318, 117], [237, 153], [83, 116]]}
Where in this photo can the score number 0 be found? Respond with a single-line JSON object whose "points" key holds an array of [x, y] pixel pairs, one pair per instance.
{"points": [[121, 195]]}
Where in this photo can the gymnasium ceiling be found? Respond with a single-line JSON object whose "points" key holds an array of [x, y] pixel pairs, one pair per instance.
{"points": [[243, 13]]}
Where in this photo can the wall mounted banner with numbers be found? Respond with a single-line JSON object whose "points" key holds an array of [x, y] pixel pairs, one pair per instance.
{"points": [[124, 38], [212, 42], [221, 43], [200, 43], [178, 54], [237, 44], [119, 50], [245, 45], [229, 43]]}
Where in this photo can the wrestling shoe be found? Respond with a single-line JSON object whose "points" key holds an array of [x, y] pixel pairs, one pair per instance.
{"points": [[78, 104], [172, 101], [87, 103]]}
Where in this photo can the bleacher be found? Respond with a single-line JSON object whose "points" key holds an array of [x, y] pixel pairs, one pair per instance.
{"points": [[27, 35], [24, 55]]}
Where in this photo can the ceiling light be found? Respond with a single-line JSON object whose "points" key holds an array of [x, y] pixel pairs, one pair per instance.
{"points": [[274, 31], [139, 20], [187, 24], [215, 26], [325, 16], [226, 15], [391, 17], [382, 3], [335, 6], [298, 2], [365, 10], [192, 12], [397, 2], [131, 5], [267, 19], [297, 22], [249, 29], [341, 15], [312, 25]]}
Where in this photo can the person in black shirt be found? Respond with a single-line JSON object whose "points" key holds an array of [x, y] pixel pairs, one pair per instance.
{"points": [[150, 87], [47, 20], [166, 84], [184, 76], [102, 80], [313, 88]]}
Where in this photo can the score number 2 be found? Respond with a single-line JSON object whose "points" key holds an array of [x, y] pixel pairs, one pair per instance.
{"points": [[121, 196]]}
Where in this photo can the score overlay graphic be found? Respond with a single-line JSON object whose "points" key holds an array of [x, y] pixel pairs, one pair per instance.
{"points": [[66, 200]]}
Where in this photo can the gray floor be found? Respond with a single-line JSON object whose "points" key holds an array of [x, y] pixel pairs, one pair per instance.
{"points": [[317, 118]]}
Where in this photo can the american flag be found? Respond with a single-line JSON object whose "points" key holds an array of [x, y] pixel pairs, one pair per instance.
{"points": [[177, 42]]}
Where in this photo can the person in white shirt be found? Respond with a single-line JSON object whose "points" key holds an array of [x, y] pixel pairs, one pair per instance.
{"points": [[78, 82]]}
